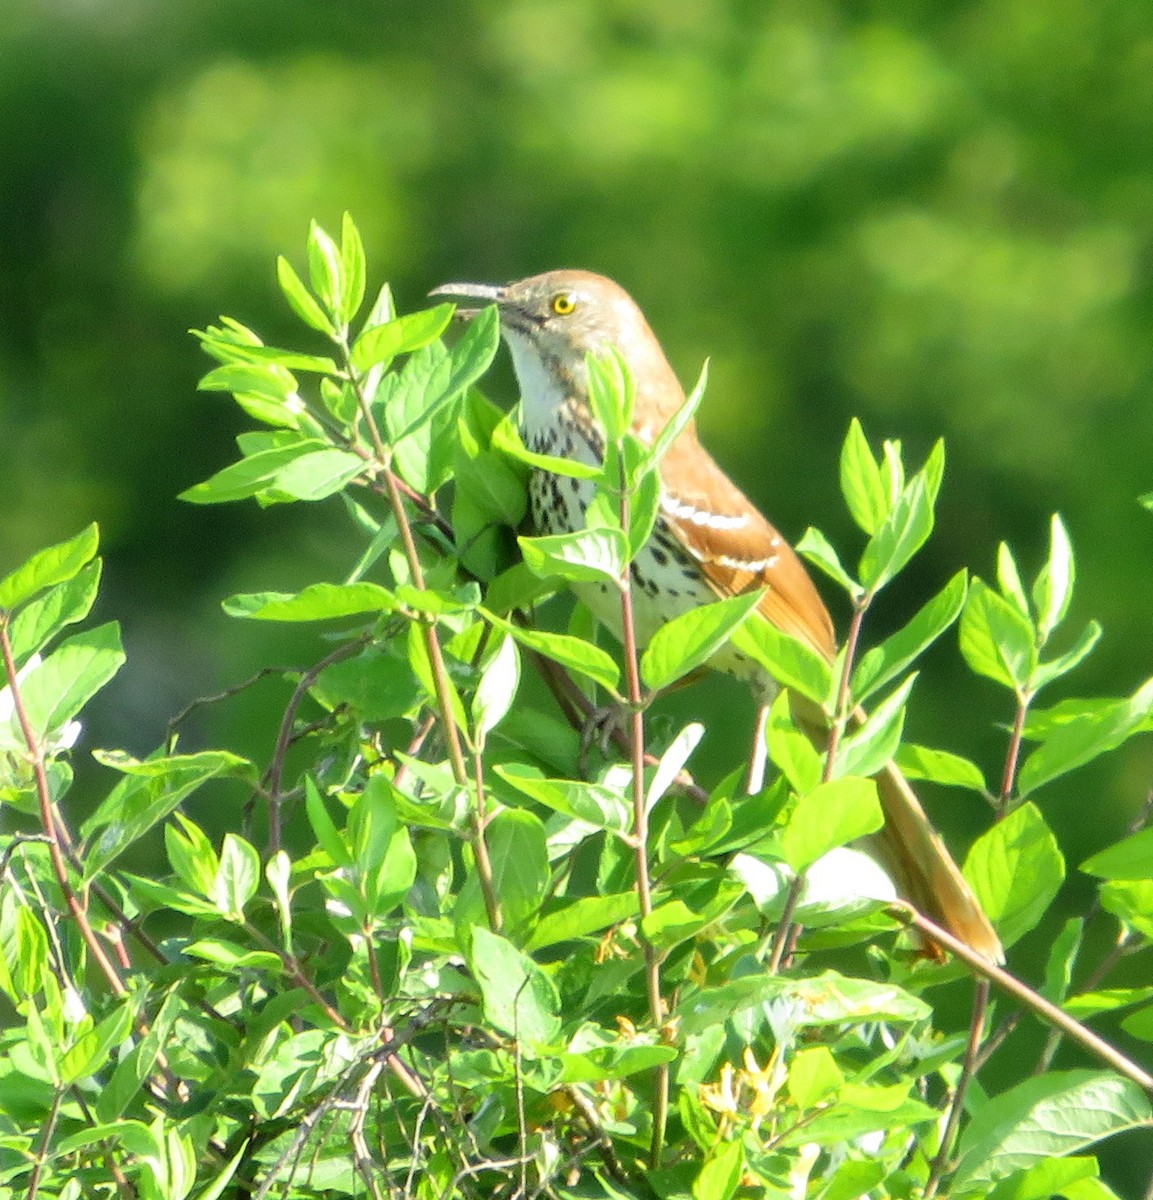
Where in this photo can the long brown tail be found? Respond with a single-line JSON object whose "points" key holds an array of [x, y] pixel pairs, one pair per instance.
{"points": [[914, 854], [924, 870]]}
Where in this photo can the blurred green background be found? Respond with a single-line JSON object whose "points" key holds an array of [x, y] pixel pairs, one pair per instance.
{"points": [[935, 216]]}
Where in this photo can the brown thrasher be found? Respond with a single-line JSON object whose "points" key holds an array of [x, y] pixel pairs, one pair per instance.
{"points": [[710, 541]]}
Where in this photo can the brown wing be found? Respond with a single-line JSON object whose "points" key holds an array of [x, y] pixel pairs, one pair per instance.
{"points": [[736, 547]]}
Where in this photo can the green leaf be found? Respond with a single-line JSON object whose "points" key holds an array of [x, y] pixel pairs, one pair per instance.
{"points": [[520, 868], [1016, 868], [903, 532], [1096, 731], [497, 688], [1090, 1004], [867, 749], [252, 474], [519, 998], [644, 510], [379, 345], [939, 766], [582, 917], [1047, 1117], [1064, 663], [290, 360], [612, 392], [791, 751], [861, 482], [433, 379], [317, 602], [831, 815], [592, 802], [1131, 902], [237, 877], [676, 425], [506, 440], [149, 792], [813, 1076], [266, 380], [884, 662], [1009, 580], [1048, 1178], [825, 999], [1063, 952], [192, 856], [39, 621], [790, 661], [300, 298], [54, 691], [820, 551], [996, 640], [721, 1174], [278, 872], [587, 555], [1130, 858], [47, 567], [324, 827], [324, 267], [352, 269], [572, 652], [671, 761], [93, 1048], [319, 474], [691, 639], [1054, 586]]}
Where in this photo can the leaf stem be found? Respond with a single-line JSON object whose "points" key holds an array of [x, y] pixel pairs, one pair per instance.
{"points": [[641, 839], [786, 934], [460, 773], [48, 817]]}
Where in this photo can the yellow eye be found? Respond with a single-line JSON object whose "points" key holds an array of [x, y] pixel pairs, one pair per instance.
{"points": [[563, 303]]}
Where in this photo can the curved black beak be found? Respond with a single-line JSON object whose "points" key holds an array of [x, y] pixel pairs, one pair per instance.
{"points": [[489, 293]]}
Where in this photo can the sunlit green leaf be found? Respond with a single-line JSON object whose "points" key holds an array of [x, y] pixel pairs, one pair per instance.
{"points": [[939, 766], [787, 659], [1130, 858], [1016, 868], [830, 815], [902, 533], [820, 551], [380, 344], [1045, 1117], [1094, 732], [300, 298], [592, 802], [861, 482], [587, 555], [867, 749], [690, 639], [884, 662], [47, 567], [996, 640], [317, 602], [1054, 586], [574, 653]]}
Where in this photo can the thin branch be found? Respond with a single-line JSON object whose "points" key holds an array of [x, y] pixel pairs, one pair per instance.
{"points": [[641, 843], [969, 1066], [275, 772], [786, 935], [48, 818], [1045, 1009]]}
